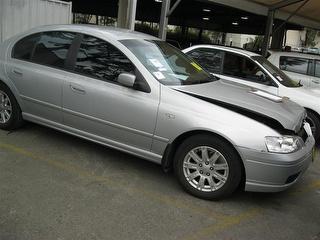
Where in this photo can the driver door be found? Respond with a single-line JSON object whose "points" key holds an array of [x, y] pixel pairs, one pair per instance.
{"points": [[241, 69], [97, 106]]}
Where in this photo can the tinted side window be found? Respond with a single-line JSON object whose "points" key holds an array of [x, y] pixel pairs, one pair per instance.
{"points": [[241, 67], [293, 64], [52, 48], [211, 59], [317, 70], [24, 47], [99, 59]]}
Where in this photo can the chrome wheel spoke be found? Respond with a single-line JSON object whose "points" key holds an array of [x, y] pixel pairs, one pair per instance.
{"points": [[201, 183], [211, 183], [7, 108], [219, 177], [214, 157], [204, 153], [220, 166], [195, 156], [7, 115], [190, 165], [3, 120], [2, 98], [193, 175]]}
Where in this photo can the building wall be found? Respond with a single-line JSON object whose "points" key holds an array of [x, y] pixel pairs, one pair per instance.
{"points": [[20, 15]]}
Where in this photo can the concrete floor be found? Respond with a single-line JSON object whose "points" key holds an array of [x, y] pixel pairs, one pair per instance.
{"points": [[55, 186]]}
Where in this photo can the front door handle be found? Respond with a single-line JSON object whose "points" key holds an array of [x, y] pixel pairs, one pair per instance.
{"points": [[77, 88], [315, 81]]}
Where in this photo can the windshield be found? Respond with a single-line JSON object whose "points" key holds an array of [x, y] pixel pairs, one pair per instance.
{"points": [[276, 72], [166, 63]]}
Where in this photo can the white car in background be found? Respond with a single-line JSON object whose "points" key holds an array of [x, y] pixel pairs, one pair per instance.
{"points": [[251, 69], [301, 67]]}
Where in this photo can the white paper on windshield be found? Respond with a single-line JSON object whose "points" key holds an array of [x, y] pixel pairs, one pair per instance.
{"points": [[267, 95], [156, 63], [279, 78], [162, 69], [159, 75]]}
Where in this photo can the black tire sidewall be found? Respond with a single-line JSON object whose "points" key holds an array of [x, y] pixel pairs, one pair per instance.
{"points": [[231, 156]]}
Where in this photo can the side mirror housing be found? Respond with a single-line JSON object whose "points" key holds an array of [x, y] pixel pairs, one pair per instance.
{"points": [[127, 79]]}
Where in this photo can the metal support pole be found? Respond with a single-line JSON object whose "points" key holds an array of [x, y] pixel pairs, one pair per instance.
{"points": [[164, 19], [127, 14], [266, 39], [132, 8]]}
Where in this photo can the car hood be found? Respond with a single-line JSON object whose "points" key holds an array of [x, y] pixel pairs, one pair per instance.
{"points": [[262, 106]]}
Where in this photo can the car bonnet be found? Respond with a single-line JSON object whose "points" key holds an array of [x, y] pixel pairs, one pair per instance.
{"points": [[254, 103]]}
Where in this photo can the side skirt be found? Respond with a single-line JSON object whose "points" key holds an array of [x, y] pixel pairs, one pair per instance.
{"points": [[150, 156]]}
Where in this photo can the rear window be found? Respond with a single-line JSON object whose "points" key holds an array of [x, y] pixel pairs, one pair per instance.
{"points": [[24, 47], [294, 64], [52, 48]]}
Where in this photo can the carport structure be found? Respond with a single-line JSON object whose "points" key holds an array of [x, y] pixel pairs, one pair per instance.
{"points": [[259, 17]]}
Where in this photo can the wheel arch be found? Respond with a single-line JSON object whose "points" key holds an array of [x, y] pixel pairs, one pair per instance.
{"points": [[170, 151]]}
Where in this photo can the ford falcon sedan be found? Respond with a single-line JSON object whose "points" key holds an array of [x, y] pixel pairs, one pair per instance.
{"points": [[138, 94]]}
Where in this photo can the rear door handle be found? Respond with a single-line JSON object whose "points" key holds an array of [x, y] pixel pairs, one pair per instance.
{"points": [[17, 71], [77, 88]]}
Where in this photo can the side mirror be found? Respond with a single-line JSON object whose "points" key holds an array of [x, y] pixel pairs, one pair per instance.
{"points": [[126, 79]]}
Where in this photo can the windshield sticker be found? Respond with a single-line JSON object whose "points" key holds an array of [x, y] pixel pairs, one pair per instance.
{"points": [[196, 66], [162, 69], [279, 78], [159, 75], [156, 63]]}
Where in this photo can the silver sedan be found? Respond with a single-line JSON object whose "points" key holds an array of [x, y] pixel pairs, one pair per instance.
{"points": [[140, 95]]}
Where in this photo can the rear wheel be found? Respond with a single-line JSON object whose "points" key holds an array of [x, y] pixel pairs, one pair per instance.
{"points": [[208, 167], [314, 122], [10, 112]]}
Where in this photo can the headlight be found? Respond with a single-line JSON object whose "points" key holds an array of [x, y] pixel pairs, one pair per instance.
{"points": [[284, 144]]}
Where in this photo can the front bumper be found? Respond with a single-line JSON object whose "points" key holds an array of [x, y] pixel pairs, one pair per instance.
{"points": [[272, 172]]}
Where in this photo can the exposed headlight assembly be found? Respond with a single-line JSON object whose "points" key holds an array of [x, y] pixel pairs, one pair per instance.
{"points": [[284, 144]]}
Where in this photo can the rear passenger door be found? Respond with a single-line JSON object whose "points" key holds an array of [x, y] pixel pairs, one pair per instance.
{"points": [[37, 69], [298, 69], [96, 105]]}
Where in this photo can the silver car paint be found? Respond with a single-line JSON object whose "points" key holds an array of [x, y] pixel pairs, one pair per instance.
{"points": [[139, 123]]}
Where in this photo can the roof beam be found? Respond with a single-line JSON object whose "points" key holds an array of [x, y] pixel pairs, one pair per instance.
{"points": [[283, 4], [260, 9]]}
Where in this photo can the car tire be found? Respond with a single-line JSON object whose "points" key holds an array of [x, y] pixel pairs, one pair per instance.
{"points": [[208, 167], [10, 112], [314, 122]]}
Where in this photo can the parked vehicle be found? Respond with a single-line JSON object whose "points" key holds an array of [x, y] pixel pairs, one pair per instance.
{"points": [[138, 94], [301, 67], [254, 70]]}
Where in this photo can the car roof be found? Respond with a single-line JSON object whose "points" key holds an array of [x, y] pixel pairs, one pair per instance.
{"points": [[295, 54], [111, 32], [224, 48]]}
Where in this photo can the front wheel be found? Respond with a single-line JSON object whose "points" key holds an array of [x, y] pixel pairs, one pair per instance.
{"points": [[208, 167]]}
